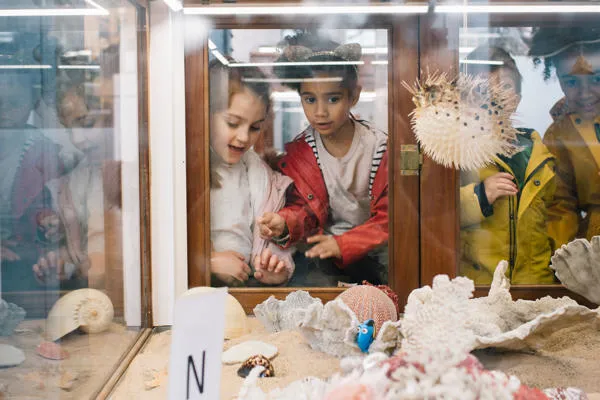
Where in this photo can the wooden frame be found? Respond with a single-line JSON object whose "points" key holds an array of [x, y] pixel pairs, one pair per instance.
{"points": [[403, 192]]}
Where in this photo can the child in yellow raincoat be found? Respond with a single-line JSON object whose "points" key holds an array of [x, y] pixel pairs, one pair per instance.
{"points": [[504, 206], [574, 137]]}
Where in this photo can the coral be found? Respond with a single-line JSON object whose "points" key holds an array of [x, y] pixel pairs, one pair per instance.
{"points": [[462, 123], [279, 315], [577, 266], [369, 302], [10, 316]]}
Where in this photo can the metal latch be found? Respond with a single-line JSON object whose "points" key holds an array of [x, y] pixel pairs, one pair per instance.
{"points": [[411, 159]]}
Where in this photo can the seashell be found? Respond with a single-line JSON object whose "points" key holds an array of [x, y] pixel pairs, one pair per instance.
{"points": [[369, 302], [242, 351], [577, 266], [88, 309], [10, 356], [280, 315], [255, 361], [51, 351], [461, 123], [236, 320]]}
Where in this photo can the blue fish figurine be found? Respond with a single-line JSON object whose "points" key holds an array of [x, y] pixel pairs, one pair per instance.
{"points": [[366, 334]]}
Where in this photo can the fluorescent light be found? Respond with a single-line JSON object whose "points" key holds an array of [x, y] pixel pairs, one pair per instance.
{"points": [[211, 45], [306, 10], [34, 66], [293, 80], [365, 50], [482, 62], [517, 8], [380, 62], [174, 5], [58, 12], [294, 96], [287, 64], [79, 67], [220, 57], [465, 49]]}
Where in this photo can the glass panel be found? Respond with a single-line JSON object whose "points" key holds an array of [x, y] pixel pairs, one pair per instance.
{"points": [[524, 205], [328, 112], [69, 195]]}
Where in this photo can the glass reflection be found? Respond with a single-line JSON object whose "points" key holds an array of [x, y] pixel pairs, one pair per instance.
{"points": [[64, 99], [333, 217]]}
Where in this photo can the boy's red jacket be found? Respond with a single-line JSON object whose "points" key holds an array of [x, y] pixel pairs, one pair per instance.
{"points": [[307, 206]]}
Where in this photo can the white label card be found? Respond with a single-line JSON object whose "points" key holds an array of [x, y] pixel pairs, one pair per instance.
{"points": [[196, 345]]}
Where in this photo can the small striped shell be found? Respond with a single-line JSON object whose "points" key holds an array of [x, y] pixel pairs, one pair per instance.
{"points": [[369, 302], [255, 361]]}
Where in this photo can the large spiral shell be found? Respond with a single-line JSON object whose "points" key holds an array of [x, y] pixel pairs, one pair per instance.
{"points": [[88, 309]]}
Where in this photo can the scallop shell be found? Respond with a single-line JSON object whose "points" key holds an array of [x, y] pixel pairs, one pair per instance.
{"points": [[369, 302], [51, 351], [255, 361], [461, 123], [88, 309], [577, 266], [242, 351], [236, 320]]}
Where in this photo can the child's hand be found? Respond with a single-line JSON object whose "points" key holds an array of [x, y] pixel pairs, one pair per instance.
{"points": [[499, 185], [271, 225], [53, 266], [270, 269], [326, 247], [7, 253], [229, 267]]}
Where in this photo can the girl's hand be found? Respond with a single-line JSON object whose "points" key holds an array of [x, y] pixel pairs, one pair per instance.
{"points": [[229, 266], [326, 247], [7, 253], [499, 185], [271, 225], [54, 266], [270, 269]]}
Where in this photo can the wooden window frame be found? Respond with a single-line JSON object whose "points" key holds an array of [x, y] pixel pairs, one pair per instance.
{"points": [[403, 190]]}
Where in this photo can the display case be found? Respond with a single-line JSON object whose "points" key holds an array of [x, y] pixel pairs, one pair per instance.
{"points": [[75, 283]]}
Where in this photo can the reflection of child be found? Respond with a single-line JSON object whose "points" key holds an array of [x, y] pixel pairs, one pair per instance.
{"points": [[243, 187], [27, 162], [338, 164], [80, 196], [504, 206], [574, 135]]}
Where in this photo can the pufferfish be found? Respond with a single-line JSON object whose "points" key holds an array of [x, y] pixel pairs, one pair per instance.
{"points": [[463, 122], [366, 334]]}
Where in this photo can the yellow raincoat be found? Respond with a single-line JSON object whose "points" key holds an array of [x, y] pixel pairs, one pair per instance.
{"points": [[575, 211], [517, 229]]}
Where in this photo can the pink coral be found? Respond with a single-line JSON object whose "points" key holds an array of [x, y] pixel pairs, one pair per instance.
{"points": [[351, 391]]}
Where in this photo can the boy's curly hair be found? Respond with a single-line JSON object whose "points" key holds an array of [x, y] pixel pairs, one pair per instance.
{"points": [[550, 44], [322, 49]]}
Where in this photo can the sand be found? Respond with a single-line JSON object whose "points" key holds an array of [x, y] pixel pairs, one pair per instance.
{"points": [[569, 357], [93, 358]]}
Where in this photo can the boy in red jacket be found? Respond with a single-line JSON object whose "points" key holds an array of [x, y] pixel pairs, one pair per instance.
{"points": [[339, 201]]}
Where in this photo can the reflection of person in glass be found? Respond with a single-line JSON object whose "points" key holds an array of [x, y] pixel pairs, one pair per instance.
{"points": [[504, 206], [80, 196], [339, 167], [574, 136], [28, 160], [243, 187]]}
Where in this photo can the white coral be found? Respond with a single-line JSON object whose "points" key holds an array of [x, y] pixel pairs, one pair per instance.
{"points": [[280, 315]]}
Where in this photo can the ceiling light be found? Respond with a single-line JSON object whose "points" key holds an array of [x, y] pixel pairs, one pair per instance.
{"points": [[58, 12], [517, 8], [306, 10]]}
